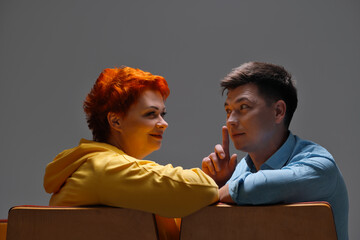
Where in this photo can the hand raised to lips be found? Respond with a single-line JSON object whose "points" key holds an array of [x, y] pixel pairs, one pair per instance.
{"points": [[219, 165]]}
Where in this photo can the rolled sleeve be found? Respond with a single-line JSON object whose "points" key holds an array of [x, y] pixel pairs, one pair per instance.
{"points": [[307, 180]]}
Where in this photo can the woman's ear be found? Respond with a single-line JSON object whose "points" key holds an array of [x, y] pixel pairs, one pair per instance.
{"points": [[280, 111], [114, 120]]}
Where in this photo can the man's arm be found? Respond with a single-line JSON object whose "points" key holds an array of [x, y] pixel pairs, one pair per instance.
{"points": [[224, 195], [219, 165], [310, 179]]}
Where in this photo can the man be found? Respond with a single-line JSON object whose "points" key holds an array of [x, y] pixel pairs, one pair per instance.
{"points": [[279, 167]]}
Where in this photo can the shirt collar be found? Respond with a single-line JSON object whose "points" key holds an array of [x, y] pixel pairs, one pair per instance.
{"points": [[278, 159]]}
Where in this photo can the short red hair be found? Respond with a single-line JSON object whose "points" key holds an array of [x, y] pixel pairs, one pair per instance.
{"points": [[115, 91]]}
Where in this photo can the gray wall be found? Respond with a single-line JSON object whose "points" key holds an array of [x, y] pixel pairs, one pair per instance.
{"points": [[51, 52]]}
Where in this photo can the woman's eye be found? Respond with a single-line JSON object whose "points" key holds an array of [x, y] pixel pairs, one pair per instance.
{"points": [[150, 114], [163, 114]]}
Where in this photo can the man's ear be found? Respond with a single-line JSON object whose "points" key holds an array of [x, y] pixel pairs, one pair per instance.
{"points": [[280, 111], [114, 120]]}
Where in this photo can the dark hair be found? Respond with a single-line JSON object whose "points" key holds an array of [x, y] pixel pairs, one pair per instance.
{"points": [[274, 83], [116, 90]]}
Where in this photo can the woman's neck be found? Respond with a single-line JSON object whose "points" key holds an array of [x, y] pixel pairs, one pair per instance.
{"points": [[117, 141]]}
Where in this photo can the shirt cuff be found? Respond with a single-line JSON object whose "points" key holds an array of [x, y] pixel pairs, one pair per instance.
{"points": [[233, 190]]}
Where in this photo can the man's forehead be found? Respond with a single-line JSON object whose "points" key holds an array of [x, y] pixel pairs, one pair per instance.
{"points": [[248, 91]]}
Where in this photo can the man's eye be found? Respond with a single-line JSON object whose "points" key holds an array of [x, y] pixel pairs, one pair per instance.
{"points": [[244, 106]]}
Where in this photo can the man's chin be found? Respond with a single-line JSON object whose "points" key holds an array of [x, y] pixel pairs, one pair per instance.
{"points": [[240, 147]]}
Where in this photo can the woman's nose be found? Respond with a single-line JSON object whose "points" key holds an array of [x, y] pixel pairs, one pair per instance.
{"points": [[162, 124]]}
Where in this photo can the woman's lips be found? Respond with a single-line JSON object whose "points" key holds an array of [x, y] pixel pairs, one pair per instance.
{"points": [[158, 136]]}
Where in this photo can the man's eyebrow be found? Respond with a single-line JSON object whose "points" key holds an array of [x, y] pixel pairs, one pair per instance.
{"points": [[239, 100], [242, 99]]}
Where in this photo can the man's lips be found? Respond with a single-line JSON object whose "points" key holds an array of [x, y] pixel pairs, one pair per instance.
{"points": [[237, 134]]}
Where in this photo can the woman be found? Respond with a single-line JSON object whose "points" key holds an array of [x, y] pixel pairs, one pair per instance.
{"points": [[125, 111]]}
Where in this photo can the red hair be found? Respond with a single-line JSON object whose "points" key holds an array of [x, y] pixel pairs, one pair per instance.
{"points": [[115, 91]]}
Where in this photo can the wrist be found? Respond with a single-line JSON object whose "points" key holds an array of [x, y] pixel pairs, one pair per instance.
{"points": [[224, 195]]}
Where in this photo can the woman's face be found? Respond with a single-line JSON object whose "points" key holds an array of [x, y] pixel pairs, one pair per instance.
{"points": [[142, 128]]}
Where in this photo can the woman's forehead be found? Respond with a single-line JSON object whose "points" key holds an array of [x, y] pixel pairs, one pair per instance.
{"points": [[151, 98]]}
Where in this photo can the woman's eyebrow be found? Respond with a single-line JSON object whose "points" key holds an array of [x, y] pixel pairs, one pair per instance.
{"points": [[157, 108]]}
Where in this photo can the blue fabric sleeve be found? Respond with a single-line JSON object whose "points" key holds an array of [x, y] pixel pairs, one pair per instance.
{"points": [[310, 179]]}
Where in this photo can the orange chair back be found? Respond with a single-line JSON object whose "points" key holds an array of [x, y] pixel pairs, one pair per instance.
{"points": [[311, 221], [3, 229], [59, 223]]}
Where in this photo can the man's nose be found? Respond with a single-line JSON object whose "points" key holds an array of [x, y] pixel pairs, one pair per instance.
{"points": [[232, 119]]}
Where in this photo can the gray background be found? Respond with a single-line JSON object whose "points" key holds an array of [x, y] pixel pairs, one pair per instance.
{"points": [[51, 52]]}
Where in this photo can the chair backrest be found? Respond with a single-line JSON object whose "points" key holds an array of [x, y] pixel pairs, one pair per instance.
{"points": [[3, 229], [309, 221], [44, 223]]}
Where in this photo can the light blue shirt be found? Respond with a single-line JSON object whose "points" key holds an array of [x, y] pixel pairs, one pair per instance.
{"points": [[300, 171]]}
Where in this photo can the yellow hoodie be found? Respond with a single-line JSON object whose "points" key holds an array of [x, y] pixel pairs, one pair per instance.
{"points": [[96, 173]]}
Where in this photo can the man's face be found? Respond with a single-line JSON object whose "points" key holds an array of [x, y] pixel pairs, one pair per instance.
{"points": [[250, 119]]}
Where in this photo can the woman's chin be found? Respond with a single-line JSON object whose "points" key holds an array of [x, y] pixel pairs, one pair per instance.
{"points": [[153, 148], [157, 147]]}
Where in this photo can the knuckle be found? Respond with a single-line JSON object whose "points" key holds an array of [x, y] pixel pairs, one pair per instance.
{"points": [[218, 148], [206, 160], [213, 156]]}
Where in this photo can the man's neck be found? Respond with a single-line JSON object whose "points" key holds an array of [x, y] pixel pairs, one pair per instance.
{"points": [[261, 156]]}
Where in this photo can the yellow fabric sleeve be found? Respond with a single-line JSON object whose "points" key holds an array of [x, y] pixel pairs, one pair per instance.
{"points": [[115, 179]]}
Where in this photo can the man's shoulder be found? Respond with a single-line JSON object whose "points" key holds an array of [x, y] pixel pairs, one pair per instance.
{"points": [[306, 149]]}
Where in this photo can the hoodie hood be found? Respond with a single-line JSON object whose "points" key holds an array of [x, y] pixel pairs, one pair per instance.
{"points": [[68, 161]]}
